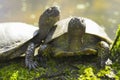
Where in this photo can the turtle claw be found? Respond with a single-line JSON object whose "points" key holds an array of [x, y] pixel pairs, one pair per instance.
{"points": [[34, 65], [29, 60], [31, 64]]}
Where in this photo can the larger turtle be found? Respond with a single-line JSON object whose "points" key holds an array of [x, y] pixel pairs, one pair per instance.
{"points": [[77, 36], [19, 38]]}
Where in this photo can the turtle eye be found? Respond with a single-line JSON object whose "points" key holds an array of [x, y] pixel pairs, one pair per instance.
{"points": [[82, 20], [49, 10]]}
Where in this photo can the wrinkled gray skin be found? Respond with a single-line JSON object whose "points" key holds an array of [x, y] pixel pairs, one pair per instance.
{"points": [[75, 42], [27, 40]]}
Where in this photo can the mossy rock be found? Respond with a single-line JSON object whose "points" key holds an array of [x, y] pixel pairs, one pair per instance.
{"points": [[66, 68], [63, 69]]}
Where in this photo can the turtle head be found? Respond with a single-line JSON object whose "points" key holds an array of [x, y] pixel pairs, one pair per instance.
{"points": [[47, 20], [76, 27], [50, 16], [76, 31]]}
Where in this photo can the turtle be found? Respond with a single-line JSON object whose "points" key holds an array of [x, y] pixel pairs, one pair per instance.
{"points": [[12, 36], [18, 38], [75, 36]]}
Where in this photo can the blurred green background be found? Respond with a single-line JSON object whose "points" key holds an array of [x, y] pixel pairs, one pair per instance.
{"points": [[105, 12]]}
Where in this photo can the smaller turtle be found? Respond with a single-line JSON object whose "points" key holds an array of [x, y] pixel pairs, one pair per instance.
{"points": [[18, 38], [77, 36]]}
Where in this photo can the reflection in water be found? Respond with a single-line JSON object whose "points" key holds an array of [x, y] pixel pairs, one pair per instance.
{"points": [[102, 11]]}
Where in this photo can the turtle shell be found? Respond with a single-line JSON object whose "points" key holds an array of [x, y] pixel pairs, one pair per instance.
{"points": [[91, 28], [14, 34]]}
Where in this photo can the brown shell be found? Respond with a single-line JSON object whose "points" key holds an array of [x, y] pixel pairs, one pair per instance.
{"points": [[91, 28]]}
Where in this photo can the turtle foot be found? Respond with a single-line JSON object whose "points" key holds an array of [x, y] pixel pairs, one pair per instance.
{"points": [[31, 64], [42, 60], [29, 59]]}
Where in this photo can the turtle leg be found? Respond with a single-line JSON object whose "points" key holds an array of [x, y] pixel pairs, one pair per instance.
{"points": [[43, 51], [43, 54], [103, 52], [29, 57]]}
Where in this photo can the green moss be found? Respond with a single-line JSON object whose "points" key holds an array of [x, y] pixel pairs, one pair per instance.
{"points": [[55, 69], [14, 76], [101, 74], [88, 74], [115, 50], [16, 71]]}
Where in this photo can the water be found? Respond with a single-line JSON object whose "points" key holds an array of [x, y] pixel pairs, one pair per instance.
{"points": [[105, 12]]}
